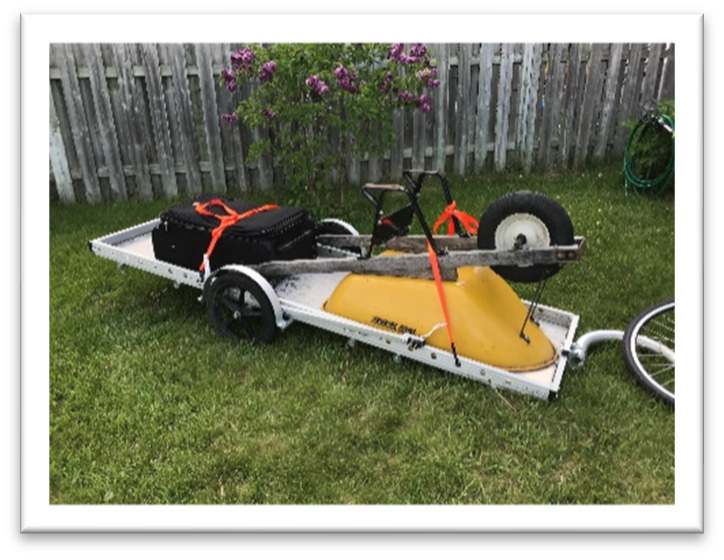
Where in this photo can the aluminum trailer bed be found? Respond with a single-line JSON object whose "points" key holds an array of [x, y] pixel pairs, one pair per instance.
{"points": [[299, 297]]}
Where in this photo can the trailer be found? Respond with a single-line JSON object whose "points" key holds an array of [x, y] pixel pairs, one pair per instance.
{"points": [[281, 292]]}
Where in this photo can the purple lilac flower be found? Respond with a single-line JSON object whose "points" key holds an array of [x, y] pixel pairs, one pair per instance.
{"points": [[395, 51], [427, 75], [229, 79], [267, 70], [229, 118], [406, 96], [243, 58], [386, 83], [316, 84], [424, 103], [346, 79], [409, 59], [341, 72], [268, 113], [418, 50]]}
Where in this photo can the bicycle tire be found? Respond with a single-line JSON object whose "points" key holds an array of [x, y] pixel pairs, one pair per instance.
{"points": [[650, 352]]}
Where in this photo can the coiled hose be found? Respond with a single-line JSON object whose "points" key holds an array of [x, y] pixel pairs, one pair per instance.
{"points": [[642, 182]]}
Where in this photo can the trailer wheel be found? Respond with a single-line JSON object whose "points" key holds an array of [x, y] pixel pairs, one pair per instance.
{"points": [[238, 308], [333, 226], [525, 220]]}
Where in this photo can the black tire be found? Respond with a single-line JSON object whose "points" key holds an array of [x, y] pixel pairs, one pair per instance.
{"points": [[238, 308], [653, 370], [338, 227], [545, 214]]}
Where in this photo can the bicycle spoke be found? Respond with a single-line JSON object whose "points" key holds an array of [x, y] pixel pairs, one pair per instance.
{"points": [[661, 370], [649, 345]]}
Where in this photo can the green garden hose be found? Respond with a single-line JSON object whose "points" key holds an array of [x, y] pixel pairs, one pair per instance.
{"points": [[634, 156]]}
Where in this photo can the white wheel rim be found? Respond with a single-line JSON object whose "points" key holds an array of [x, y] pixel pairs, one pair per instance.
{"points": [[653, 345], [532, 227], [351, 230]]}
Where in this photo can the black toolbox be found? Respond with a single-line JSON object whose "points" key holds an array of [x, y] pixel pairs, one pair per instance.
{"points": [[183, 235]]}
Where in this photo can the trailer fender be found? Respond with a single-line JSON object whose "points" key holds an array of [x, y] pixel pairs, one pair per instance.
{"points": [[281, 321]]}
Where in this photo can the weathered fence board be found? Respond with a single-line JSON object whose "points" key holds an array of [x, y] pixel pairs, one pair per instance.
{"points": [[159, 118], [211, 117], [441, 108], [550, 136], [418, 140], [130, 128], [529, 78], [81, 131], [502, 115], [104, 111], [573, 91], [462, 105], [653, 61], [183, 112], [526, 105], [611, 90], [398, 146], [485, 87], [591, 98], [630, 95], [58, 159], [666, 87]]}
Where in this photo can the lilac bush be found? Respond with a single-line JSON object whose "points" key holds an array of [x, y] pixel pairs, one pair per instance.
{"points": [[324, 102]]}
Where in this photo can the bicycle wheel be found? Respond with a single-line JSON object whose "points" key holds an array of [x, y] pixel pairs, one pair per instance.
{"points": [[648, 347]]}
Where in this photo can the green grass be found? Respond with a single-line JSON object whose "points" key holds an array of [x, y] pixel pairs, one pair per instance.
{"points": [[148, 405]]}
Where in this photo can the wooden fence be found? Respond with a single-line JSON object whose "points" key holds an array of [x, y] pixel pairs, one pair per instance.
{"points": [[142, 120]]}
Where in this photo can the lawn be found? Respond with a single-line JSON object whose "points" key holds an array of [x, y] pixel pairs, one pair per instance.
{"points": [[149, 405]]}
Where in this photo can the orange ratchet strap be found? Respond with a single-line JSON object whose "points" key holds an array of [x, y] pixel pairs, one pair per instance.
{"points": [[441, 296], [471, 225], [451, 211], [225, 221]]}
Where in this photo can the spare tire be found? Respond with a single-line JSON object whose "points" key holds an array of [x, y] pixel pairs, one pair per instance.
{"points": [[525, 220]]}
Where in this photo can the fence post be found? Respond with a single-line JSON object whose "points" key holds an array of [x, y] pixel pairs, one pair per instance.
{"points": [[183, 112], [529, 79], [398, 146], [649, 89], [232, 133], [159, 118], [482, 122], [129, 124], [59, 159], [550, 133], [106, 124], [441, 107], [609, 100], [666, 86], [211, 117], [502, 114], [592, 94], [631, 89], [463, 105], [79, 124], [418, 139], [574, 90]]}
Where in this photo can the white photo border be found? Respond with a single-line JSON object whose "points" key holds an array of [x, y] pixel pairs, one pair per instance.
{"points": [[39, 31]]}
